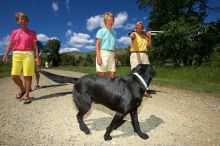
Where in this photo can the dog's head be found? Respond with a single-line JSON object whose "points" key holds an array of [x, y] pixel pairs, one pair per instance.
{"points": [[145, 71]]}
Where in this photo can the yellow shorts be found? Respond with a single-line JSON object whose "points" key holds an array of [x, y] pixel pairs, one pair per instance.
{"points": [[23, 60], [108, 62], [138, 58]]}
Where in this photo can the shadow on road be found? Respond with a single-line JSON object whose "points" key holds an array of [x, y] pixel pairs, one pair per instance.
{"points": [[100, 124], [54, 85], [50, 96]]}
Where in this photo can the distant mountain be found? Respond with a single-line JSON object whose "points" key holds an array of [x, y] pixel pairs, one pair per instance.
{"points": [[84, 54], [77, 54]]}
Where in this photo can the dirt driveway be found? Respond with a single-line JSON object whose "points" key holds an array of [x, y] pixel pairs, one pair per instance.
{"points": [[171, 117]]}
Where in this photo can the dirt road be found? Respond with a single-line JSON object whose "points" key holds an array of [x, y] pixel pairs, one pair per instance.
{"points": [[171, 117]]}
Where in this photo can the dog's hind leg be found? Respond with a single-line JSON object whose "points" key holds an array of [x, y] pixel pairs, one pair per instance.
{"points": [[136, 126], [119, 124], [83, 104], [115, 123], [82, 125]]}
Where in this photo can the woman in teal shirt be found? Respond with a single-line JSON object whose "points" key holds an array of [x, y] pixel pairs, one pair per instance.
{"points": [[106, 54]]}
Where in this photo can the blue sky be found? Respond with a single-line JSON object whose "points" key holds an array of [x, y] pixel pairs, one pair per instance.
{"points": [[75, 22]]}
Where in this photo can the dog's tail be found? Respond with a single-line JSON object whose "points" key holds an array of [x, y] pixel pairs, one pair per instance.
{"points": [[58, 78]]}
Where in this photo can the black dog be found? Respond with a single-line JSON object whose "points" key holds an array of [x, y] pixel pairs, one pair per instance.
{"points": [[121, 94]]}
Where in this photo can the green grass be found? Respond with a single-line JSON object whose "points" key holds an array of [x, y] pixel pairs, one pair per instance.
{"points": [[205, 79], [202, 79], [5, 70], [82, 69], [91, 69]]}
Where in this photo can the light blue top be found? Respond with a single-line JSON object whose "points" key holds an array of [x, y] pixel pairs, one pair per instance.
{"points": [[107, 37]]}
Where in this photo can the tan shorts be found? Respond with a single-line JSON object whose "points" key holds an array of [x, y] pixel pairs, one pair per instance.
{"points": [[138, 58], [23, 60], [108, 62]]}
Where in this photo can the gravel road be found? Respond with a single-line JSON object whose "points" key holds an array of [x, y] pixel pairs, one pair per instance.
{"points": [[171, 117]]}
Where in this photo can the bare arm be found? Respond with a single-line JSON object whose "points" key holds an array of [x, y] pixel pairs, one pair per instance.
{"points": [[99, 59], [132, 35], [37, 53], [9, 47], [149, 45]]}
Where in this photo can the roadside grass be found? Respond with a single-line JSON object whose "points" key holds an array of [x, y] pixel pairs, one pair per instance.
{"points": [[92, 69], [5, 70], [200, 79], [205, 79]]}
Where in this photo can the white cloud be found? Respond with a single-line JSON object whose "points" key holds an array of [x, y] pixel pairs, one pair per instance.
{"points": [[63, 50], [67, 5], [78, 45], [90, 47], [80, 38], [4, 41], [68, 33], [120, 19], [94, 22], [130, 26], [44, 38], [54, 38], [3, 44], [124, 40], [69, 24], [55, 6], [97, 21]]}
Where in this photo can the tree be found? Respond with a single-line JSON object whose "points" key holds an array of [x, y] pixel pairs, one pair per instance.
{"points": [[185, 40], [52, 47], [65, 59], [124, 57], [89, 59], [164, 11], [40, 46], [79, 60]]}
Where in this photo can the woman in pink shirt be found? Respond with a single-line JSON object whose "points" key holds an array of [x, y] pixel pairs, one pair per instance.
{"points": [[23, 43]]}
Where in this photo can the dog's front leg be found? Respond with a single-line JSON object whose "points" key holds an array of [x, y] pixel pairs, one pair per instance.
{"points": [[136, 126], [116, 120]]}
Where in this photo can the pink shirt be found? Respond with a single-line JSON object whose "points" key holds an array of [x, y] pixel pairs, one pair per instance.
{"points": [[23, 40]]}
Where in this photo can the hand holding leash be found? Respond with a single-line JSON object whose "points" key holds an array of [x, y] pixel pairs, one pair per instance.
{"points": [[148, 34]]}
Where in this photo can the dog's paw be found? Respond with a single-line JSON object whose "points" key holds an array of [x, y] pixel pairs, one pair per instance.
{"points": [[143, 136], [107, 137], [85, 129]]}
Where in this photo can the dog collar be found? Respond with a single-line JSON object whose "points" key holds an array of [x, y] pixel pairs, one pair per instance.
{"points": [[142, 80]]}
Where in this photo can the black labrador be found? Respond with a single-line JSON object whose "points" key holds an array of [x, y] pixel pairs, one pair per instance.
{"points": [[121, 94]]}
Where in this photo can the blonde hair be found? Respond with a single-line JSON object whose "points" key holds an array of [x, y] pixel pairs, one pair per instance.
{"points": [[107, 15], [21, 15]]}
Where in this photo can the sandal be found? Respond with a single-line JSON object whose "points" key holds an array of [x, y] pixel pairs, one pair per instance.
{"points": [[21, 95], [147, 95], [27, 101]]}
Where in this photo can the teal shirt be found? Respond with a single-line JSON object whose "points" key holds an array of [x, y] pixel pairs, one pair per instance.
{"points": [[108, 39]]}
